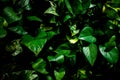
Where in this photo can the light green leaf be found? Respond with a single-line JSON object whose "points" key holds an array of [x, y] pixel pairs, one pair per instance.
{"points": [[10, 15], [34, 18], [59, 75], [40, 66], [51, 10], [18, 30], [90, 53], [112, 56]]}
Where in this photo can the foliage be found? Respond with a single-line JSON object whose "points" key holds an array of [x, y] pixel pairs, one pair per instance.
{"points": [[59, 39]]}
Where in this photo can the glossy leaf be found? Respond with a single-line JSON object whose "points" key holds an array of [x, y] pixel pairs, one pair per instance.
{"points": [[58, 59], [112, 56], [40, 66], [59, 75], [35, 44], [90, 53], [10, 15], [87, 35], [18, 30]]}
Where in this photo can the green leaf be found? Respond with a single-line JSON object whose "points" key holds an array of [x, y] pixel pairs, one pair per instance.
{"points": [[87, 35], [58, 59], [90, 53], [111, 43], [112, 56], [66, 18], [18, 30], [88, 39], [3, 33], [34, 44], [34, 18], [68, 5], [77, 6], [63, 49], [10, 15], [40, 66], [51, 10], [1, 22], [59, 75], [50, 34]]}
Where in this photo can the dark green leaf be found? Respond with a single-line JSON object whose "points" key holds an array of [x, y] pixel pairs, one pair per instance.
{"points": [[1, 22], [3, 33], [77, 6], [18, 30], [58, 59], [90, 53], [35, 44], [34, 18], [87, 35], [111, 43], [10, 15], [50, 34], [40, 66], [68, 5], [112, 56]]}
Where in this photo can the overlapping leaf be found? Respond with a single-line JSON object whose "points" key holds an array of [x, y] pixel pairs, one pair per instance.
{"points": [[90, 53]]}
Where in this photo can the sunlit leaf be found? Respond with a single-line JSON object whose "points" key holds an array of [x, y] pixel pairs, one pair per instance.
{"points": [[90, 53], [40, 66], [112, 56], [51, 10], [59, 75]]}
